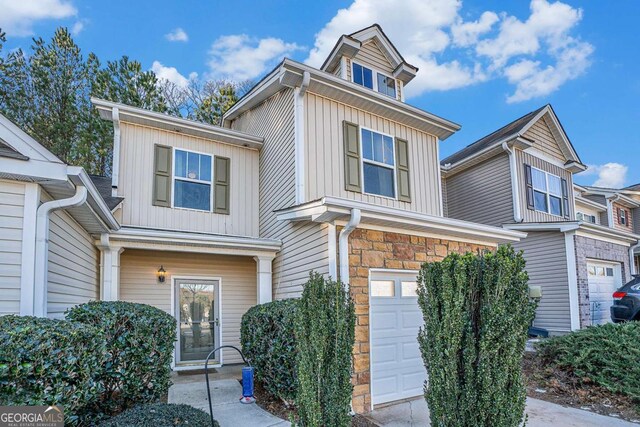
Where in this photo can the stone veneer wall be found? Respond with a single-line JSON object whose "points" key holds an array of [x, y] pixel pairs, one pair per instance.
{"points": [[587, 248], [377, 249]]}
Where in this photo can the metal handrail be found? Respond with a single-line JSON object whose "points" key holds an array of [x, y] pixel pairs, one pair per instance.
{"points": [[206, 374]]}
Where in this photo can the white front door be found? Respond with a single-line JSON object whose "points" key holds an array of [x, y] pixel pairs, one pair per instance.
{"points": [[397, 370], [197, 307], [604, 279]]}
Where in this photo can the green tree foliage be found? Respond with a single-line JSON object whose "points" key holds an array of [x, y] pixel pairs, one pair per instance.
{"points": [[48, 94], [325, 335], [477, 312]]}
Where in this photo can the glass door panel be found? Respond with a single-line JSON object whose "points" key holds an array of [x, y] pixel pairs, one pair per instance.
{"points": [[197, 314]]}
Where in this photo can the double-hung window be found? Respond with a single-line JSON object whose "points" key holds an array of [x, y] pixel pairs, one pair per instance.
{"points": [[547, 192], [623, 216], [192, 180], [373, 80], [378, 163]]}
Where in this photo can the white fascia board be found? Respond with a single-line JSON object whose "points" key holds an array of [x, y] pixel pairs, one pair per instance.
{"points": [[596, 230], [127, 234], [398, 218], [590, 203], [544, 226], [79, 176], [33, 170], [131, 114], [20, 141], [494, 149]]}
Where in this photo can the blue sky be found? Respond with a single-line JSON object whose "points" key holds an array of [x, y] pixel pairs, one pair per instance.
{"points": [[482, 63]]}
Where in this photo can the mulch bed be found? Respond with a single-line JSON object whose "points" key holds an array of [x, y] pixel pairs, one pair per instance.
{"points": [[562, 387], [278, 408]]}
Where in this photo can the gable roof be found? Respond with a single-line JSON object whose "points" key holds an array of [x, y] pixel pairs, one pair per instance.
{"points": [[350, 44], [7, 151], [516, 129], [103, 185], [634, 187]]}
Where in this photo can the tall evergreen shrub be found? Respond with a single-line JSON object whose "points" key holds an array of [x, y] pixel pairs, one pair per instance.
{"points": [[325, 334], [476, 314]]}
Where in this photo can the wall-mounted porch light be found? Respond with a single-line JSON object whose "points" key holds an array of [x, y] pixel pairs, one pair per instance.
{"points": [[161, 274]]}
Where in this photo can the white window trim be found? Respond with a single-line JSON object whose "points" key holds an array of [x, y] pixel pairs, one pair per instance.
{"points": [[374, 77], [623, 217], [384, 165], [548, 193], [196, 181], [581, 217]]}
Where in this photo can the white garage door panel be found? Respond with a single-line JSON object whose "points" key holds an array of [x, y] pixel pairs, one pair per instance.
{"points": [[397, 370], [604, 279]]}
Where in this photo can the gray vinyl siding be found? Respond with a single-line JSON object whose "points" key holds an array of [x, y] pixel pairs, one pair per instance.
{"points": [[543, 139], [482, 193], [531, 215], [370, 55], [545, 253], [73, 270], [304, 245], [445, 202], [11, 219], [635, 214]]}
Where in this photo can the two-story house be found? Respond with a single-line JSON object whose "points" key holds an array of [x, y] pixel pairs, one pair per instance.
{"points": [[520, 177], [313, 169]]}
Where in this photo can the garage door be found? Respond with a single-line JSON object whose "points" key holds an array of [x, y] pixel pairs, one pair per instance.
{"points": [[604, 279], [397, 371]]}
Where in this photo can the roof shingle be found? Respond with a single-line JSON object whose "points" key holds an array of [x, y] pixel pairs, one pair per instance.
{"points": [[103, 185]]}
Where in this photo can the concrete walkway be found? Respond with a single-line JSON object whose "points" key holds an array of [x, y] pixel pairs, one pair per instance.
{"points": [[541, 414], [225, 394]]}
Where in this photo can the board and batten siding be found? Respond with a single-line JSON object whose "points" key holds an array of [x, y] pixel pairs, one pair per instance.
{"points": [[11, 226], [482, 193], [531, 215], [74, 264], [138, 283], [324, 155], [545, 253], [304, 245], [136, 184], [544, 140]]}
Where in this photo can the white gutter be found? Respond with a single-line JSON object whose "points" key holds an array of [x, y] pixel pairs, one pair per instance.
{"points": [[115, 166], [343, 244], [632, 261], [515, 188], [298, 108], [42, 246]]}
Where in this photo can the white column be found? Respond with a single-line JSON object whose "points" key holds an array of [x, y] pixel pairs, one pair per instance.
{"points": [[265, 289], [109, 269], [27, 277]]}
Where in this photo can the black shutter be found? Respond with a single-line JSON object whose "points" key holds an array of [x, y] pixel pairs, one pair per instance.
{"points": [[529, 182], [565, 199]]}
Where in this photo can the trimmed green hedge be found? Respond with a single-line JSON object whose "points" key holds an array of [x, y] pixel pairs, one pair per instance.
{"points": [[477, 312], [46, 362], [140, 342], [268, 341], [161, 415], [608, 355], [325, 334]]}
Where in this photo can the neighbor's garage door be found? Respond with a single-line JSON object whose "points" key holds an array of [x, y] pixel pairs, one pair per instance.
{"points": [[604, 279], [397, 371]]}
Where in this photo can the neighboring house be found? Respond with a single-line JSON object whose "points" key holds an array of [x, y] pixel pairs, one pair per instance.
{"points": [[520, 177], [315, 169]]}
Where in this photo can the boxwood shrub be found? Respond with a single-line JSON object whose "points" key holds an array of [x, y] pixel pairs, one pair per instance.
{"points": [[51, 362], [268, 341], [161, 415], [607, 355], [139, 341]]}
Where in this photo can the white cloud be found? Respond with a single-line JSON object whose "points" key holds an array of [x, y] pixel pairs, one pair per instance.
{"points": [[536, 56], [467, 33], [240, 57], [17, 17], [77, 27], [171, 74], [177, 35], [609, 175]]}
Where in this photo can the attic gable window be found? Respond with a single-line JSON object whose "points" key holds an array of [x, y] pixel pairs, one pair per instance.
{"points": [[374, 80]]}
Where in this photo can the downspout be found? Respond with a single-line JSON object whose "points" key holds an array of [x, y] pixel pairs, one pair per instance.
{"points": [[343, 244], [115, 165], [610, 214], [298, 105], [513, 166], [632, 261], [42, 246]]}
